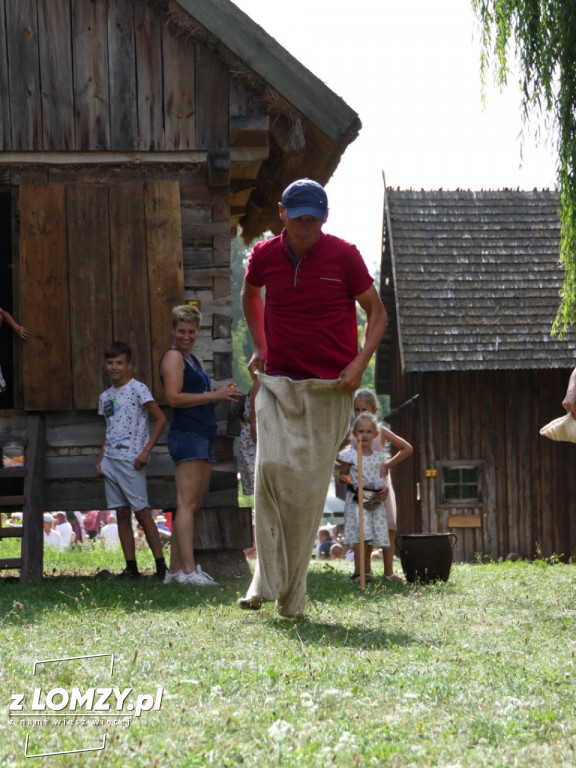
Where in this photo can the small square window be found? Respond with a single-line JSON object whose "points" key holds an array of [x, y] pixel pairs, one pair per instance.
{"points": [[460, 483]]}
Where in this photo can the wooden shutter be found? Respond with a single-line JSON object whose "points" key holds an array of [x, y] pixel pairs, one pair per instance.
{"points": [[97, 263], [89, 280], [46, 363]]}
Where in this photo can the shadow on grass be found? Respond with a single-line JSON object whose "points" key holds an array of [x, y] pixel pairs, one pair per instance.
{"points": [[308, 631], [78, 593], [329, 585], [327, 589]]}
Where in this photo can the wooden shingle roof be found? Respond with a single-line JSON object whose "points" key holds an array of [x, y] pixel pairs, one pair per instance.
{"points": [[476, 279]]}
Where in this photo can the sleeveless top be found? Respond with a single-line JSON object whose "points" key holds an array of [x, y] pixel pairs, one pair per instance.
{"points": [[197, 419]]}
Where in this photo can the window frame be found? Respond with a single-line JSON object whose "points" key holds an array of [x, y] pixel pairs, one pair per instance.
{"points": [[460, 465]]}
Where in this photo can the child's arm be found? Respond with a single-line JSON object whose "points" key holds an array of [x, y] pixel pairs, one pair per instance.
{"points": [[404, 448], [344, 472], [16, 327], [100, 456], [154, 410], [382, 484]]}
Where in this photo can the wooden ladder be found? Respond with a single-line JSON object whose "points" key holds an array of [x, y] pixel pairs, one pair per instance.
{"points": [[21, 490]]}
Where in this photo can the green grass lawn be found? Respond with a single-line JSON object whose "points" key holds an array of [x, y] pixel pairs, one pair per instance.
{"points": [[478, 671]]}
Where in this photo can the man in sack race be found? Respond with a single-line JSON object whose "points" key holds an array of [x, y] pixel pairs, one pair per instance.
{"points": [[307, 360]]}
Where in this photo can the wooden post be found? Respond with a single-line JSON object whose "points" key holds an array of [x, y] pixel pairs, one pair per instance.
{"points": [[32, 520], [361, 517]]}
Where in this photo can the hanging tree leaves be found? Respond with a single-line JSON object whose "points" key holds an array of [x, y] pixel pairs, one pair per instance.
{"points": [[542, 34]]}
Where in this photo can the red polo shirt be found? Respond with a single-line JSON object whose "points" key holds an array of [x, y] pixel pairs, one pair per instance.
{"points": [[310, 318]]}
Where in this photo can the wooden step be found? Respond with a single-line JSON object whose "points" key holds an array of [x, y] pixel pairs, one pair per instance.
{"points": [[12, 472], [11, 532], [13, 503], [10, 562]]}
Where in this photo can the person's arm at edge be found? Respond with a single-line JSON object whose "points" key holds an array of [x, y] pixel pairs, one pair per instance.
{"points": [[376, 322], [100, 456], [569, 402], [16, 327], [253, 309]]}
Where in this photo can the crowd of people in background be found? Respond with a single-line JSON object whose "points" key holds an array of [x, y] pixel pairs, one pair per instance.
{"points": [[95, 528]]}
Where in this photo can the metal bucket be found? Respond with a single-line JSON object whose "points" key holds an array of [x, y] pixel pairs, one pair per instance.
{"points": [[426, 557]]}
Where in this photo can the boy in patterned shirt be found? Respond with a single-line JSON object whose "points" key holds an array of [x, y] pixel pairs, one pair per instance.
{"points": [[125, 451]]}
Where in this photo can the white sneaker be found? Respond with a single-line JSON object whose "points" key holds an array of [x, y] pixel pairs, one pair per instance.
{"points": [[204, 578], [168, 577], [198, 578]]}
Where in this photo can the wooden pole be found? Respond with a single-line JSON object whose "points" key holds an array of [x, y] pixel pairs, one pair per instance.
{"points": [[361, 517], [32, 547]]}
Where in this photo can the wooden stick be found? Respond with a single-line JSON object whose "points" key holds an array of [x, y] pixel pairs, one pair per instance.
{"points": [[361, 517]]}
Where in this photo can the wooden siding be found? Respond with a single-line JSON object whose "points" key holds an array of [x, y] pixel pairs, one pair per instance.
{"points": [[529, 487], [149, 99], [69, 72], [45, 299], [87, 278], [140, 76], [98, 279], [73, 441]]}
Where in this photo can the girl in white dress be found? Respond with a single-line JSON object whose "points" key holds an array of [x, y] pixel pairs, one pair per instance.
{"points": [[365, 400], [375, 491]]}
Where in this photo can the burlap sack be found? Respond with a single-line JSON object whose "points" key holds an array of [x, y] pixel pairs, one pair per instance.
{"points": [[563, 428], [300, 427]]}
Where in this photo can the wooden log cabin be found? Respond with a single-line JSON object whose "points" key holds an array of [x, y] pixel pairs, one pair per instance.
{"points": [[137, 137], [471, 283]]}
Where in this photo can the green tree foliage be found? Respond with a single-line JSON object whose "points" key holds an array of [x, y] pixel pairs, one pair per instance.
{"points": [[241, 340], [543, 36]]}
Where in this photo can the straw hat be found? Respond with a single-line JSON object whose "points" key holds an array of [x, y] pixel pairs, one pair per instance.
{"points": [[563, 428]]}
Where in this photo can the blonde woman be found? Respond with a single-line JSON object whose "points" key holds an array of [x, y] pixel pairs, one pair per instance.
{"points": [[190, 439]]}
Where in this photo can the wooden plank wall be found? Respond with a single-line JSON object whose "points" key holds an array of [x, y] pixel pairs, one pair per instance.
{"points": [[47, 373], [73, 439], [84, 280], [89, 278], [165, 283], [495, 417], [80, 75], [129, 285], [107, 276], [406, 423], [206, 256]]}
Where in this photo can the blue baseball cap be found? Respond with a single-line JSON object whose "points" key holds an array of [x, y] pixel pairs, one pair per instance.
{"points": [[305, 198]]}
